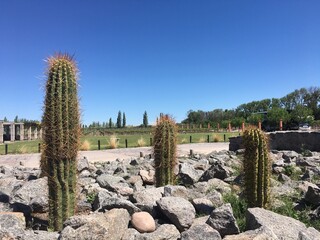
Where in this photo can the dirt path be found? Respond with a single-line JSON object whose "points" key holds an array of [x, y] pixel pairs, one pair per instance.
{"points": [[32, 160]]}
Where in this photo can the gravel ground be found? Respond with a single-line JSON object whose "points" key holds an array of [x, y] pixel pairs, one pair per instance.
{"points": [[32, 160]]}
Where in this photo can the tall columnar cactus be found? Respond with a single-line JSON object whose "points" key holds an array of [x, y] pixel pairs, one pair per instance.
{"points": [[165, 150], [61, 124], [256, 168]]}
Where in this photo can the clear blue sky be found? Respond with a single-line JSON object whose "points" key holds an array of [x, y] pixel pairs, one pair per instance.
{"points": [[165, 56]]}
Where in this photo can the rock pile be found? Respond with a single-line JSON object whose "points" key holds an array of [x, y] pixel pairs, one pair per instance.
{"points": [[118, 200]]}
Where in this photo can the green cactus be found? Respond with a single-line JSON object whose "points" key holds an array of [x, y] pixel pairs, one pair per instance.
{"points": [[256, 164], [61, 124], [165, 150]]}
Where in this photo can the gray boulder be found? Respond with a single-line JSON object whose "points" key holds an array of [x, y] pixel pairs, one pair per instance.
{"points": [[176, 191], [187, 174], [114, 184], [146, 199], [108, 203], [203, 205], [82, 164], [35, 193], [200, 232], [262, 233], [180, 212], [147, 176], [216, 171], [110, 225], [163, 232], [223, 221], [12, 225], [309, 234], [313, 195], [278, 224]]}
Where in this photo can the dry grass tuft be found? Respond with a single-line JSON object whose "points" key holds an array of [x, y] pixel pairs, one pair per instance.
{"points": [[216, 138], [23, 149], [85, 146], [202, 140], [141, 142], [113, 141], [183, 140]]}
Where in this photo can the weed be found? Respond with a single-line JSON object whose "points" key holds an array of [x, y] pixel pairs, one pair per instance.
{"points": [[239, 207], [90, 197], [202, 140]]}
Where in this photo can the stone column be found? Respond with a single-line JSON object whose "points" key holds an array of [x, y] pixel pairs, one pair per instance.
{"points": [[280, 124], [21, 132], [29, 133], [259, 125], [218, 127], [35, 134], [1, 132], [229, 127], [208, 125], [242, 126], [12, 132]]}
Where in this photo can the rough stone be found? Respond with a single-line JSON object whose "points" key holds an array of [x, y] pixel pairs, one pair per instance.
{"points": [[309, 234], [187, 174], [278, 224], [110, 225], [180, 212], [203, 205], [147, 176], [82, 164], [200, 232], [262, 233], [12, 224], [115, 184], [108, 203], [176, 191], [313, 195], [223, 221], [32, 192], [216, 171], [163, 232], [143, 222]]}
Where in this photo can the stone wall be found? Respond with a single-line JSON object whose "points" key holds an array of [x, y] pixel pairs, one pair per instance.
{"points": [[286, 140]]}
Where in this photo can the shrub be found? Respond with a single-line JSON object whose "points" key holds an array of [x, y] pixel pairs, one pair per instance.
{"points": [[216, 138]]}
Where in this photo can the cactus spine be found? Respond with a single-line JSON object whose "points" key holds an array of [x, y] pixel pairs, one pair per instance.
{"points": [[256, 168], [165, 150], [61, 124]]}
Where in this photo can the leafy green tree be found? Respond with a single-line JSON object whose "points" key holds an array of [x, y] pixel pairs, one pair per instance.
{"points": [[124, 121], [110, 123], [255, 118], [5, 119], [16, 119], [274, 115], [145, 119], [302, 114], [119, 120]]}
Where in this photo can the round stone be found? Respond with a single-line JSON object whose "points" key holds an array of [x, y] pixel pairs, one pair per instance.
{"points": [[143, 222]]}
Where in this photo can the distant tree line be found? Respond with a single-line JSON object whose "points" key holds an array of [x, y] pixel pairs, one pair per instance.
{"points": [[299, 106], [121, 122]]}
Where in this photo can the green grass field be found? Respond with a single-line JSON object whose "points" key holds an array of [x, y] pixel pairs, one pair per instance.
{"points": [[132, 141]]}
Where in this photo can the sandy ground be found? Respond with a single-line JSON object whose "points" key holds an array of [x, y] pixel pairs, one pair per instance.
{"points": [[32, 160]]}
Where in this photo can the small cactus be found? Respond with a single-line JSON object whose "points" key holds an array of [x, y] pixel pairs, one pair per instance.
{"points": [[165, 150], [256, 164], [61, 124]]}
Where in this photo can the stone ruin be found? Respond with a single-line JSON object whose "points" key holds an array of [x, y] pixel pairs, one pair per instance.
{"points": [[12, 131]]}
